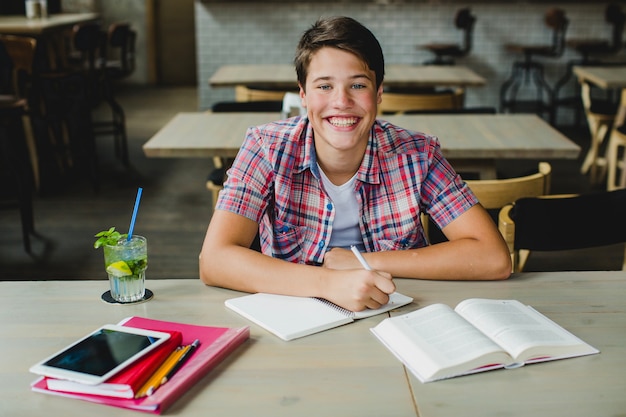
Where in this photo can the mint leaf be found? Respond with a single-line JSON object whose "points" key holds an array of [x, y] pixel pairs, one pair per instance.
{"points": [[108, 237]]}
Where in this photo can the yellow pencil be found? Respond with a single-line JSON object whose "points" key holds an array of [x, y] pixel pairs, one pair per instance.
{"points": [[155, 379]]}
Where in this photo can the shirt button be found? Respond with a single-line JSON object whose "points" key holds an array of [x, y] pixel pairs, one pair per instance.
{"points": [[329, 206], [321, 244], [285, 229]]}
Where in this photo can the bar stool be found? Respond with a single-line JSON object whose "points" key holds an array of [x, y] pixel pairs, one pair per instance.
{"points": [[591, 52], [523, 70], [445, 53]]}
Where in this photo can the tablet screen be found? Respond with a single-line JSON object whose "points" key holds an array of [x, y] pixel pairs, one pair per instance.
{"points": [[101, 351], [100, 354]]}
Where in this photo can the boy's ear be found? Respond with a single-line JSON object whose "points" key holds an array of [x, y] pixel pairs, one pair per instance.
{"points": [[302, 95]]}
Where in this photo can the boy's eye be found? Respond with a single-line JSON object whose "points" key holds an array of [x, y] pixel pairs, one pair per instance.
{"points": [[324, 87], [358, 86]]}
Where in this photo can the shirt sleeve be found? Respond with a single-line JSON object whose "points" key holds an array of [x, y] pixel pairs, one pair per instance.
{"points": [[444, 193], [247, 186]]}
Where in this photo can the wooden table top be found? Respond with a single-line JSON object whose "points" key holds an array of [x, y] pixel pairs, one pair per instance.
{"points": [[512, 136], [21, 25], [339, 372], [604, 77], [396, 75]]}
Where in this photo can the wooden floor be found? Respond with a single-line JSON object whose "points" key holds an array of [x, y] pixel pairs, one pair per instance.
{"points": [[176, 207]]}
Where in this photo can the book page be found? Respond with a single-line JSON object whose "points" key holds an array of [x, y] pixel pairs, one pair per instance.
{"points": [[435, 342], [526, 334]]}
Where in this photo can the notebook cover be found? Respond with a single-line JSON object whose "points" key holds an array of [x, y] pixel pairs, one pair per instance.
{"points": [[216, 343], [290, 317]]}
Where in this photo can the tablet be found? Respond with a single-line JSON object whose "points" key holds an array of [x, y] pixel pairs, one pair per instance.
{"points": [[101, 354]]}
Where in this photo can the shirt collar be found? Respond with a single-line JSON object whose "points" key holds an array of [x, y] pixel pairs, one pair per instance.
{"points": [[368, 172]]}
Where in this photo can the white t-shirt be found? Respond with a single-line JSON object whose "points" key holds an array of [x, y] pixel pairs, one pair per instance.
{"points": [[346, 231]]}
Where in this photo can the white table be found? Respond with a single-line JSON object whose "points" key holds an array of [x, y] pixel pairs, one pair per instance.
{"points": [[470, 142], [340, 372]]}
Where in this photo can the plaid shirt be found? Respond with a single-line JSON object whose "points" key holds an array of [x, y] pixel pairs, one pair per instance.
{"points": [[275, 181]]}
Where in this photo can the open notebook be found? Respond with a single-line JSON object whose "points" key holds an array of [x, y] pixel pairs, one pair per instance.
{"points": [[291, 317]]}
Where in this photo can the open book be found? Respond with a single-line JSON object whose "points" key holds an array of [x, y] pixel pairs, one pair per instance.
{"points": [[291, 317], [437, 342]]}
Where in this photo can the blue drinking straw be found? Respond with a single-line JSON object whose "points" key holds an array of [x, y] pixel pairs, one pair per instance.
{"points": [[132, 220]]}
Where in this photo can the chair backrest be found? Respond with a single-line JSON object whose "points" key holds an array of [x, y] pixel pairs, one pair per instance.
{"points": [[292, 105], [122, 39], [21, 50], [556, 20], [90, 41], [399, 103], [247, 106], [464, 21], [563, 222], [495, 194], [616, 18]]}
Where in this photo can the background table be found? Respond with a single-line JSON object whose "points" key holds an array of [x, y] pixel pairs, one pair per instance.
{"points": [[339, 372], [396, 76], [470, 142], [604, 77]]}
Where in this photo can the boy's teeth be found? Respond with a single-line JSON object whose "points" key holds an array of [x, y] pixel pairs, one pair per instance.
{"points": [[342, 121]]}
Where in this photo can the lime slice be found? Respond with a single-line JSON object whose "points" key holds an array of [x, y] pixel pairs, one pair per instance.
{"points": [[119, 269]]}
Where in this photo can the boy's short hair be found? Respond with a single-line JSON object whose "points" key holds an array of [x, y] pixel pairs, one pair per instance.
{"points": [[343, 33]]}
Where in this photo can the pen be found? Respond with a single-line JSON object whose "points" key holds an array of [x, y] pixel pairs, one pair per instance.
{"points": [[181, 360], [360, 258]]}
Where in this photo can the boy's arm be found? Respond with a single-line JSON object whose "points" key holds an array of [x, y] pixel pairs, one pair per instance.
{"points": [[475, 251], [227, 261]]}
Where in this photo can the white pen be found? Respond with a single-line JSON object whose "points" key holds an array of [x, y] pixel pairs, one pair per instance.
{"points": [[360, 258]]}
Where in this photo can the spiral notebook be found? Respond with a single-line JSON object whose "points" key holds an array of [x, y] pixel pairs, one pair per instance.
{"points": [[291, 317]]}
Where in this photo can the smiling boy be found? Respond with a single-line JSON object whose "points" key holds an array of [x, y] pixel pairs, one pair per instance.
{"points": [[314, 185]]}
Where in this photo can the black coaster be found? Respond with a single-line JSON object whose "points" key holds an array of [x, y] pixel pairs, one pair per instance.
{"points": [[107, 298]]}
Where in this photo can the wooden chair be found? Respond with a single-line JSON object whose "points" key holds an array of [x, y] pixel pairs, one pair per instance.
{"points": [[616, 160], [21, 51], [445, 53], [563, 222], [399, 103], [592, 51], [495, 194], [600, 116]]}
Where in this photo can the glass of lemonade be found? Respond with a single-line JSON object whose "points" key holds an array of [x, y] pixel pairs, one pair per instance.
{"points": [[126, 264]]}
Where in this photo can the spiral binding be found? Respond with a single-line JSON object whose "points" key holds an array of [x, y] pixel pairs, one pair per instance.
{"points": [[335, 307]]}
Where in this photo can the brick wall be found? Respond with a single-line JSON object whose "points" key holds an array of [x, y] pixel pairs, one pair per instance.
{"points": [[267, 33]]}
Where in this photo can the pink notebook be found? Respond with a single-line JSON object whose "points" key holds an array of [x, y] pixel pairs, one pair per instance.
{"points": [[216, 343]]}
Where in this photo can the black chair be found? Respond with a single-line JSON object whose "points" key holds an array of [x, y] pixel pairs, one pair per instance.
{"points": [[560, 223], [16, 174], [446, 53], [93, 43], [530, 69], [592, 52]]}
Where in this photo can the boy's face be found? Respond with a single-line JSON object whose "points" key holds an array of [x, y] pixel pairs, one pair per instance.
{"points": [[341, 99]]}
